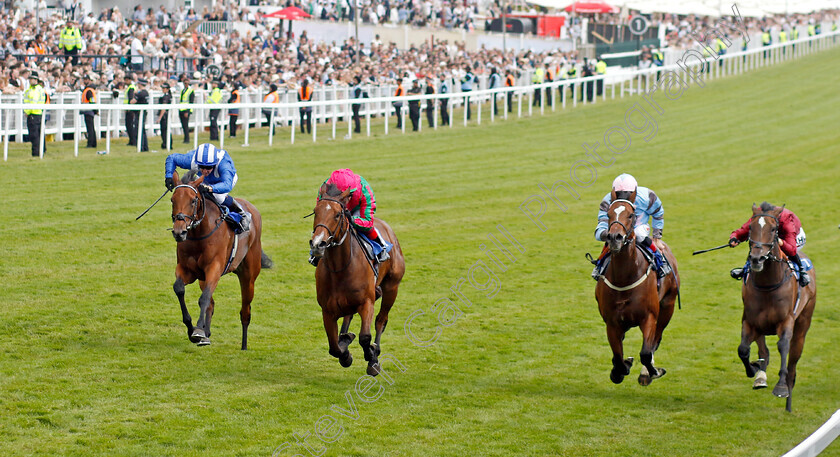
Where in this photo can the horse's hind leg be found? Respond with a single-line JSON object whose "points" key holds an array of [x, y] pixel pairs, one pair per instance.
{"points": [[649, 372], [621, 366], [180, 290], [246, 285], [389, 296], [342, 354], [797, 343], [366, 312]]}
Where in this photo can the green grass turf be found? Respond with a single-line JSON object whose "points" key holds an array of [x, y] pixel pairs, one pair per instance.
{"points": [[95, 361]]}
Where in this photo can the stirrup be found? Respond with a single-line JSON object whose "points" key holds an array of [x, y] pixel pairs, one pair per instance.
{"points": [[736, 273], [245, 223], [596, 274], [804, 279], [665, 270], [383, 255]]}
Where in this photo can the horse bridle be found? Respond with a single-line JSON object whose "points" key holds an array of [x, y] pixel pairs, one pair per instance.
{"points": [[628, 238], [770, 245], [331, 239], [194, 219]]}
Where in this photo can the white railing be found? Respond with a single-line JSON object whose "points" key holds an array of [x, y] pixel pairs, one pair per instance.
{"points": [[335, 103], [819, 440]]}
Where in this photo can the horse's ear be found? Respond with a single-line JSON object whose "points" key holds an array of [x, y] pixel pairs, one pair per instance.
{"points": [[777, 211], [612, 195], [633, 197], [175, 178], [322, 191], [756, 210], [345, 196], [198, 181]]}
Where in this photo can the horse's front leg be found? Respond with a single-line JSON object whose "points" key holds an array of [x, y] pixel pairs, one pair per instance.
{"points": [[621, 366], [182, 278], [336, 349], [206, 305], [345, 337], [365, 337], [761, 364], [785, 331], [748, 335]]}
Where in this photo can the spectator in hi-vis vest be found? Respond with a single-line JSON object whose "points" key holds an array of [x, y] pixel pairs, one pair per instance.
{"points": [[71, 41], [34, 95], [187, 96]]}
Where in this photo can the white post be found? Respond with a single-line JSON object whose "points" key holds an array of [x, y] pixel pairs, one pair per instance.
{"points": [[247, 112], [43, 134], [5, 137], [530, 103], [76, 134], [334, 109], [170, 117], [108, 131], [293, 130], [140, 128], [271, 128], [197, 123], [493, 105], [519, 103], [314, 123], [466, 107], [387, 116], [478, 108], [367, 117], [574, 94], [222, 128], [402, 116]]}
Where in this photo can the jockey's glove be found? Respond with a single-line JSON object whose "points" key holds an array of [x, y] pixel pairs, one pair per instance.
{"points": [[205, 188], [169, 183], [733, 242]]}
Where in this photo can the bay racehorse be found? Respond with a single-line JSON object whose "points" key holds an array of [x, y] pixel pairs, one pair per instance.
{"points": [[774, 304], [207, 249], [627, 293], [347, 282]]}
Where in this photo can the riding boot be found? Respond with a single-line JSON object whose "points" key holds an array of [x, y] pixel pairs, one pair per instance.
{"points": [[804, 279], [736, 273], [383, 254], [234, 206]]}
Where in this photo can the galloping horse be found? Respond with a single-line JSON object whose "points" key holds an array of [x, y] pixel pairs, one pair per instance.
{"points": [[345, 279], [207, 249], [774, 304], [627, 293]]}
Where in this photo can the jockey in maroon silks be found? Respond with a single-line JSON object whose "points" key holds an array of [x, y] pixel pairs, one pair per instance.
{"points": [[790, 233], [362, 205]]}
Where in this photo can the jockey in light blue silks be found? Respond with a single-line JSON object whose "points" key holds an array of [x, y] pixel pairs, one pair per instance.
{"points": [[650, 220], [219, 181]]}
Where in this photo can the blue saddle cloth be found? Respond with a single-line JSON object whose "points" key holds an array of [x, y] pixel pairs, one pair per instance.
{"points": [[233, 218], [372, 247]]}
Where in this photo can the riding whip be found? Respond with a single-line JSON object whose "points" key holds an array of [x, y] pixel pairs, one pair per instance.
{"points": [[153, 204], [712, 249]]}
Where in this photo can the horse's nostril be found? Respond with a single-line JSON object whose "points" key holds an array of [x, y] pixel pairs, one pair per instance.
{"points": [[322, 244]]}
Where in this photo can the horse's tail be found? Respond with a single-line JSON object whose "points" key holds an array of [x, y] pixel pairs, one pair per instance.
{"points": [[265, 260]]}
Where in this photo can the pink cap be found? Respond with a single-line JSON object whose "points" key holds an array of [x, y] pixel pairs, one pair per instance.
{"points": [[624, 182], [343, 179]]}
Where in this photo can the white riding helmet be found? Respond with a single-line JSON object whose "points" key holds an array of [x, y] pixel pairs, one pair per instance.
{"points": [[624, 182]]}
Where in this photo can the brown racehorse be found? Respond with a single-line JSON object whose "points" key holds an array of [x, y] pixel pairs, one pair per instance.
{"points": [[774, 304], [627, 293], [205, 243], [345, 279]]}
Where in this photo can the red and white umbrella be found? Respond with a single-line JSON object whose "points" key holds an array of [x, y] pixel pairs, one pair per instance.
{"points": [[591, 6]]}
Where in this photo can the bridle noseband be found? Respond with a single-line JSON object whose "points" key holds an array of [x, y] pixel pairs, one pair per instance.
{"points": [[194, 219], [627, 238]]}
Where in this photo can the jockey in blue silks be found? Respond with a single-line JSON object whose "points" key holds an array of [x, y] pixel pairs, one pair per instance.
{"points": [[650, 220], [219, 181]]}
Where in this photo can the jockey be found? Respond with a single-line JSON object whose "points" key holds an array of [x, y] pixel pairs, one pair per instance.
{"points": [[362, 205], [791, 239], [649, 220], [220, 176]]}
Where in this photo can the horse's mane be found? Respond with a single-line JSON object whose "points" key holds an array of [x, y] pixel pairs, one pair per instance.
{"points": [[767, 207], [189, 177], [332, 191], [623, 194]]}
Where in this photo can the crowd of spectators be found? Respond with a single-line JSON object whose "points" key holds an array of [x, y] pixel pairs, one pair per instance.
{"points": [[152, 44]]}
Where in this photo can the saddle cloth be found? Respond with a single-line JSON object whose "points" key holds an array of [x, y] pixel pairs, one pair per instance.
{"points": [[372, 248]]}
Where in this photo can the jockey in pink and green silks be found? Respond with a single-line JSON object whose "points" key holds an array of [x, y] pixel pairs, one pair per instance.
{"points": [[362, 203]]}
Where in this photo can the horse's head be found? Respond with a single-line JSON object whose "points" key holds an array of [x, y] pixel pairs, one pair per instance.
{"points": [[186, 205], [622, 220], [764, 234], [329, 226]]}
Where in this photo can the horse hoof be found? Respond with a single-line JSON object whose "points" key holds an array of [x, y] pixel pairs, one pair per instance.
{"points": [[346, 361], [660, 372], [760, 380], [345, 339], [373, 369], [628, 362], [197, 335], [644, 379], [204, 342], [781, 391], [616, 378]]}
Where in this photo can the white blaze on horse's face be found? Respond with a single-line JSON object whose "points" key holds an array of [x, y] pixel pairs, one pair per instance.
{"points": [[618, 211], [761, 222]]}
